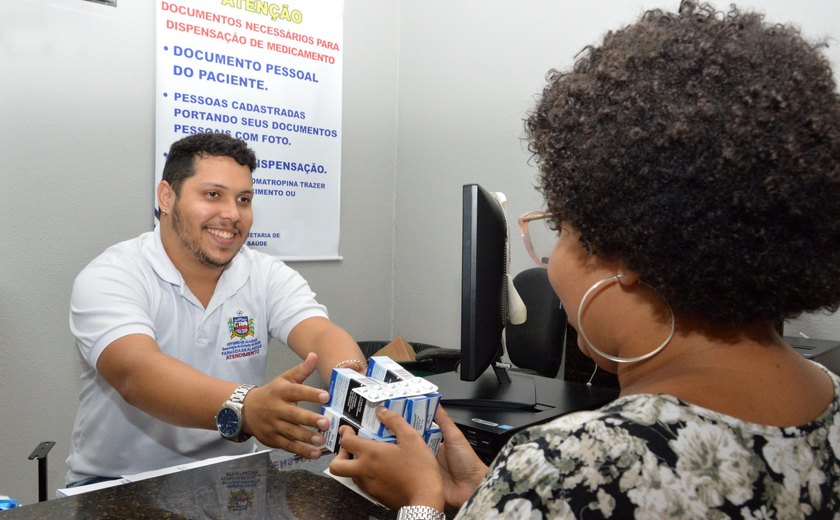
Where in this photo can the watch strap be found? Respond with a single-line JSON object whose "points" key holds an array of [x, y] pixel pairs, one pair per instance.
{"points": [[419, 513], [238, 395], [237, 399]]}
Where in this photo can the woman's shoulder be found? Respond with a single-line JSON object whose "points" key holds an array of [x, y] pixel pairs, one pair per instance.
{"points": [[648, 415], [627, 421], [636, 447], [637, 426], [638, 408]]}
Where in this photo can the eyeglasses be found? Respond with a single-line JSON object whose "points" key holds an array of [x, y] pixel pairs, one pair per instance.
{"points": [[539, 237]]}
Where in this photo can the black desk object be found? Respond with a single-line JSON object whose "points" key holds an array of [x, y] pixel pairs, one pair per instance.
{"points": [[276, 484], [488, 428], [40, 452]]}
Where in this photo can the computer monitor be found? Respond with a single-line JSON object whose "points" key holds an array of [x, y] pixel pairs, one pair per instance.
{"points": [[484, 298], [483, 281]]}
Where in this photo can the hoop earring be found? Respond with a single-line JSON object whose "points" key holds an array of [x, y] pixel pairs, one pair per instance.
{"points": [[598, 285]]}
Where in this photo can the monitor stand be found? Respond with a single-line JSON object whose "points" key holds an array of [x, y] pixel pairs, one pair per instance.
{"points": [[487, 429], [496, 388]]}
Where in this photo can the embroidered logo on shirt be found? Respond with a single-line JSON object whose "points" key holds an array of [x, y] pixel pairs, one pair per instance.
{"points": [[240, 326], [241, 345], [240, 500]]}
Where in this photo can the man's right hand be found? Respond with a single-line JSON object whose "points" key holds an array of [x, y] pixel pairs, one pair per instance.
{"points": [[273, 416]]}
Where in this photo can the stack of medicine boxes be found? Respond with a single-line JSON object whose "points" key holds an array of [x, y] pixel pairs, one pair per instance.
{"points": [[354, 398]]}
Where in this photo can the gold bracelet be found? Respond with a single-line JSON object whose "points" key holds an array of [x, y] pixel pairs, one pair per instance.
{"points": [[361, 366]]}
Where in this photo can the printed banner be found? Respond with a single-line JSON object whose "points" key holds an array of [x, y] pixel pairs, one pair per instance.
{"points": [[270, 74]]}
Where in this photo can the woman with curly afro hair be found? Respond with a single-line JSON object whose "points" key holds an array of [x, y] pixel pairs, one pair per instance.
{"points": [[690, 164]]}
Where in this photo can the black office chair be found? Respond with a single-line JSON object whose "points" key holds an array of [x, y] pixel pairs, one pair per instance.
{"points": [[538, 343], [545, 342]]}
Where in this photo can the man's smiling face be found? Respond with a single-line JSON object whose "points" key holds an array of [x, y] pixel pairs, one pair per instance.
{"points": [[212, 214]]}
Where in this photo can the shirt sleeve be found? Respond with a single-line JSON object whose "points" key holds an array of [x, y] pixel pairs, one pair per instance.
{"points": [[107, 303], [290, 301]]}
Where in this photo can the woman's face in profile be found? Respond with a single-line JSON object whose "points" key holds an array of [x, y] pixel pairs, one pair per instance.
{"points": [[572, 270]]}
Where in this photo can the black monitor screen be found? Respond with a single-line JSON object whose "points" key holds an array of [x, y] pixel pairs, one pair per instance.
{"points": [[484, 313], [483, 281]]}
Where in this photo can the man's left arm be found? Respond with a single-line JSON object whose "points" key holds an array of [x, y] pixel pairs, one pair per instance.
{"points": [[333, 345]]}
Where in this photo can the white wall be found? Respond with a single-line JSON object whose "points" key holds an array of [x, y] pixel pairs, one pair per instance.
{"points": [[76, 163], [434, 96], [469, 71]]}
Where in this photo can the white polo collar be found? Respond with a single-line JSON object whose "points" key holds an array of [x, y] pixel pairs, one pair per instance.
{"points": [[233, 277]]}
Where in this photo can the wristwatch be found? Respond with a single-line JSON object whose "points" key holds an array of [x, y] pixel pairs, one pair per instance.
{"points": [[419, 513], [230, 420]]}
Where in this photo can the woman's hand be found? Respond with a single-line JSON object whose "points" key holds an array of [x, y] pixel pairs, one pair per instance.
{"points": [[461, 469], [402, 474]]}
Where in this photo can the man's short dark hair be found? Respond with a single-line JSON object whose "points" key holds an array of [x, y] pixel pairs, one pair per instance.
{"points": [[180, 162]]}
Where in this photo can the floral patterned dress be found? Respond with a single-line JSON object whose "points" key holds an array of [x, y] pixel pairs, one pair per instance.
{"points": [[654, 456]]}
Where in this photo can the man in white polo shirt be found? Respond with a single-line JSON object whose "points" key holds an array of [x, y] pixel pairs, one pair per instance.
{"points": [[173, 330]]}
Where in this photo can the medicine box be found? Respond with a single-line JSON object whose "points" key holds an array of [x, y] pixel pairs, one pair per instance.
{"points": [[357, 396], [337, 420], [342, 382], [420, 410], [433, 437], [332, 438], [386, 370]]}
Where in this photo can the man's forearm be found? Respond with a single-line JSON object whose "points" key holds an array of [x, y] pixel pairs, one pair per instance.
{"points": [[323, 337]]}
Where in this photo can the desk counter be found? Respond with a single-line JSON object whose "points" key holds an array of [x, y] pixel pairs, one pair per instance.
{"points": [[273, 484]]}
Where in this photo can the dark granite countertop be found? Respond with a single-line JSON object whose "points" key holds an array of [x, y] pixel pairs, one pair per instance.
{"points": [[266, 485]]}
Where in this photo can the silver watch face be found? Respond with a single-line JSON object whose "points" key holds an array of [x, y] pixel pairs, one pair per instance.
{"points": [[227, 422]]}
